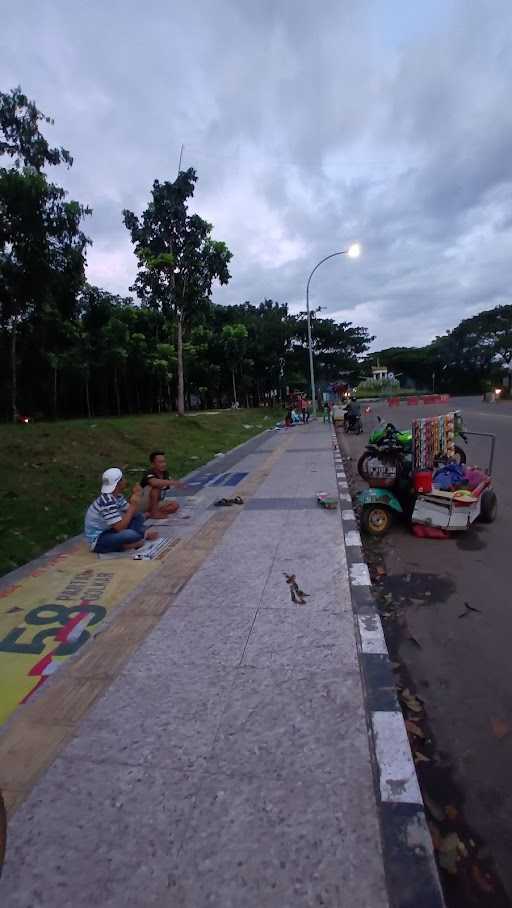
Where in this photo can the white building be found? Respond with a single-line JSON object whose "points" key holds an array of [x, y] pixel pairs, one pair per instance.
{"points": [[379, 373]]}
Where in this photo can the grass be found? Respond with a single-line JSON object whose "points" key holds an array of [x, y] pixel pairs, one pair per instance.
{"points": [[52, 470]]}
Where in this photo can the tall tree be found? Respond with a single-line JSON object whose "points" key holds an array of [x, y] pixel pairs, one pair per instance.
{"points": [[42, 248], [178, 260], [234, 342]]}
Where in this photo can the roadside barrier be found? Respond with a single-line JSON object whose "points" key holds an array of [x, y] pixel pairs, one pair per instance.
{"points": [[414, 401]]}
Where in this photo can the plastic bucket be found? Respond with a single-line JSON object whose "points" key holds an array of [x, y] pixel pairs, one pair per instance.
{"points": [[423, 482]]}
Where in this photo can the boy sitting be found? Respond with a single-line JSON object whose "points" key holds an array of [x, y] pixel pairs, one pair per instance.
{"points": [[155, 483]]}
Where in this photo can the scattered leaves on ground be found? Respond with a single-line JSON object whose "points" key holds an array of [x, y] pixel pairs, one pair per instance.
{"points": [[451, 849], [482, 880], [500, 728], [420, 758], [411, 701], [435, 809], [414, 729]]}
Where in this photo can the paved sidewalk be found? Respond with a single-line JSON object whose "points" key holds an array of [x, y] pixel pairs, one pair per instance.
{"points": [[228, 764]]}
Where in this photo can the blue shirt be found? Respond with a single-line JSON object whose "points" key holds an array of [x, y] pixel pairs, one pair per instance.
{"points": [[102, 515]]}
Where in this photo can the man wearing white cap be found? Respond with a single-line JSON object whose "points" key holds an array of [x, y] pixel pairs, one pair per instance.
{"points": [[112, 524]]}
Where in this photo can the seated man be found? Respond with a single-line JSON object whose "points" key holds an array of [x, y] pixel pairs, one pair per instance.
{"points": [[155, 483], [112, 524]]}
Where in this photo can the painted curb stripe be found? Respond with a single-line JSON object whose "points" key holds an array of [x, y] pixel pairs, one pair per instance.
{"points": [[372, 635], [352, 537], [398, 782], [411, 871]]}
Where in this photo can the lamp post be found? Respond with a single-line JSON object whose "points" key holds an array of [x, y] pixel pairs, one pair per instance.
{"points": [[353, 252]]}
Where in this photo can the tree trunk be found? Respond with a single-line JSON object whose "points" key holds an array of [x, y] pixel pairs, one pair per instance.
{"points": [[55, 380], [116, 391], [234, 386], [14, 374], [87, 398], [247, 401], [181, 382]]}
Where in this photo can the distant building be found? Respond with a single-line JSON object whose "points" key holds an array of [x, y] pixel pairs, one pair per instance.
{"points": [[380, 373]]}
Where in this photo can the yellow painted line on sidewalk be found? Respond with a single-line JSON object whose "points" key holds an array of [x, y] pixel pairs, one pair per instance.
{"points": [[39, 730]]}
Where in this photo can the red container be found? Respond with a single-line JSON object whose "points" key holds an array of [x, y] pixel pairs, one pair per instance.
{"points": [[423, 482]]}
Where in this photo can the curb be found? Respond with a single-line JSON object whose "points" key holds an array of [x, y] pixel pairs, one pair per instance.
{"points": [[409, 863]]}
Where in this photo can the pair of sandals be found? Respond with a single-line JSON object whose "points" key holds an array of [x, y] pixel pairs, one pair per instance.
{"points": [[227, 502]]}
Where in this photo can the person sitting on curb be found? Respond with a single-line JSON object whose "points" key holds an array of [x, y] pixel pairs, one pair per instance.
{"points": [[112, 524], [155, 483]]}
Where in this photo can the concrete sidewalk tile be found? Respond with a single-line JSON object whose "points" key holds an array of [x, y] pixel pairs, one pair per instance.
{"points": [[94, 837], [295, 842], [281, 723], [320, 640], [199, 637], [167, 719], [323, 592]]}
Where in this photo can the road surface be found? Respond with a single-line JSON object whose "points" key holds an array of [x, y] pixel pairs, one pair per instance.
{"points": [[463, 670]]}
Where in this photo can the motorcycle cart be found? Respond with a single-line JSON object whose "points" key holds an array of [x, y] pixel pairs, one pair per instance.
{"points": [[410, 492]]}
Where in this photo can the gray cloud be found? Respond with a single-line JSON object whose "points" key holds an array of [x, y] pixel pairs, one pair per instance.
{"points": [[310, 125]]}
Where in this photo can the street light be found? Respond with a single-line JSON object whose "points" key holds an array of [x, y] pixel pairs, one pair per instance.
{"points": [[353, 252]]}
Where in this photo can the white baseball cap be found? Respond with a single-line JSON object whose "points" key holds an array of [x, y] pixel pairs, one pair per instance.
{"points": [[110, 479]]}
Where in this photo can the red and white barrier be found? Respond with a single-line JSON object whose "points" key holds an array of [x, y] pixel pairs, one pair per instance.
{"points": [[424, 399]]}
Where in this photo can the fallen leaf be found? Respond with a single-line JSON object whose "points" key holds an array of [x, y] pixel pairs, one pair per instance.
{"points": [[420, 758], [435, 809], [395, 666], [500, 728], [451, 812], [450, 850], [436, 835], [469, 608], [482, 880], [414, 729], [448, 861], [411, 701]]}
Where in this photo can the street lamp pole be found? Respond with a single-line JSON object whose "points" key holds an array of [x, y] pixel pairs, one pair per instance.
{"points": [[353, 252]]}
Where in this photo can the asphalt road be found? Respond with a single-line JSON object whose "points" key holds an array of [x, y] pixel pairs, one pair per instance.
{"points": [[463, 670]]}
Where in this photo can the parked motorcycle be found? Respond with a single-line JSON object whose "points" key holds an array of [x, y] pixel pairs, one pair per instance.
{"points": [[387, 436]]}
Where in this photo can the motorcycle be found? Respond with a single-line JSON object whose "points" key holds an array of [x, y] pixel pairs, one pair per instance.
{"points": [[387, 435], [352, 424]]}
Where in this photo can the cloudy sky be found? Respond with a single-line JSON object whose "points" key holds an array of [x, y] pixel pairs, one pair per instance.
{"points": [[310, 124]]}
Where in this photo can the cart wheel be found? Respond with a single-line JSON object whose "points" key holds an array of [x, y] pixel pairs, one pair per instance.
{"points": [[376, 520], [488, 506]]}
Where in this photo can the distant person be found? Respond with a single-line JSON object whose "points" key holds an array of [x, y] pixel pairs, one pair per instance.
{"points": [[353, 411], [155, 482], [113, 524], [326, 412], [308, 410]]}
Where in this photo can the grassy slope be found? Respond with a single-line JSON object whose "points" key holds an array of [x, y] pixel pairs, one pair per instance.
{"points": [[51, 471]]}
